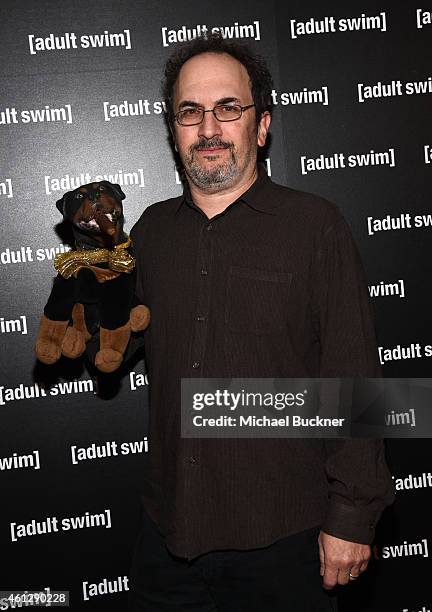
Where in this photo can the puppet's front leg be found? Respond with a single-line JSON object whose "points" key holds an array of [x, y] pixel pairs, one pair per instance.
{"points": [[55, 321], [113, 344], [49, 341], [115, 329], [77, 334]]}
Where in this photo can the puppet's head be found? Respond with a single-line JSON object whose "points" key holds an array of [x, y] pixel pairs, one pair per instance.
{"points": [[96, 213]]}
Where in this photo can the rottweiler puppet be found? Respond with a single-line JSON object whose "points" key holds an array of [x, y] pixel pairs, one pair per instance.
{"points": [[100, 274]]}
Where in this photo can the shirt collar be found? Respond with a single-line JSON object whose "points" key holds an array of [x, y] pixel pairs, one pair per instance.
{"points": [[258, 196]]}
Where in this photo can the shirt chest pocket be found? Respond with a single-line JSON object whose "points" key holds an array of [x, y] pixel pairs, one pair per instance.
{"points": [[257, 300]]}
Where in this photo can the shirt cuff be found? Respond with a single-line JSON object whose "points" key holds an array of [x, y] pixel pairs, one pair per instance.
{"points": [[351, 523]]}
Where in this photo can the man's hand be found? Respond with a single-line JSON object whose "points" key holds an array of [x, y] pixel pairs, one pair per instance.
{"points": [[339, 558]]}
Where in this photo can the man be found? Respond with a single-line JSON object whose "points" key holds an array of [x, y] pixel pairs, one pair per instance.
{"points": [[246, 278]]}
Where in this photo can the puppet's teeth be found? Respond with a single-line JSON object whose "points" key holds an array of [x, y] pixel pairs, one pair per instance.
{"points": [[91, 223]]}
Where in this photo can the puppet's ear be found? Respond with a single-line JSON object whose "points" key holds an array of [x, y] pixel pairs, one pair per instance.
{"points": [[61, 204], [116, 188]]}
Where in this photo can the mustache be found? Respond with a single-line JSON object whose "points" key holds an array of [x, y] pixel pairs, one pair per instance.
{"points": [[211, 143]]}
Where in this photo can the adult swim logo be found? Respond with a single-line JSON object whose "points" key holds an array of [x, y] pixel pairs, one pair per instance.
{"points": [[69, 181], [52, 524], [402, 352], [11, 116], [427, 149], [402, 221], [393, 89], [6, 188], [329, 25], [423, 18], [407, 549], [383, 289], [10, 326], [335, 161], [69, 40], [413, 481], [25, 254], [304, 96], [106, 586], [35, 391], [236, 30]]}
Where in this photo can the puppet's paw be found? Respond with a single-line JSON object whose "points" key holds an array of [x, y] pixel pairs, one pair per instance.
{"points": [[139, 318], [108, 360], [49, 340], [113, 343], [73, 344], [47, 352]]}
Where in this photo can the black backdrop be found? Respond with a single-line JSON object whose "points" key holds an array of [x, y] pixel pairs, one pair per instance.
{"points": [[65, 112]]}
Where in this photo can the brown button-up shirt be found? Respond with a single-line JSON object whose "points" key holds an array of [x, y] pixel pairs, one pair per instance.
{"points": [[271, 287]]}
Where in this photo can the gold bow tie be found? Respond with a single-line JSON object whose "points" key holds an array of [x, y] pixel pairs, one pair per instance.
{"points": [[118, 259]]}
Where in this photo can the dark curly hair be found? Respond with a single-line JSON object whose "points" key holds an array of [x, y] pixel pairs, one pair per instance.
{"points": [[259, 75]]}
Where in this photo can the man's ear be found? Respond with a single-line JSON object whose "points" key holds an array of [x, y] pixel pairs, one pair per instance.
{"points": [[263, 128]]}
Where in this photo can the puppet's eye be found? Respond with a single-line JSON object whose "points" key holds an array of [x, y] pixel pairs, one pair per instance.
{"points": [[79, 195], [101, 188]]}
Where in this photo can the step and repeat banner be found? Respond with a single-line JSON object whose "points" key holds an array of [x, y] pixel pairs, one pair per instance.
{"points": [[80, 101]]}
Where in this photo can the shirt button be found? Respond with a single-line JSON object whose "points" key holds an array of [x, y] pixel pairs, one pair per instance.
{"points": [[192, 460], [209, 227], [196, 364], [199, 318], [204, 272]]}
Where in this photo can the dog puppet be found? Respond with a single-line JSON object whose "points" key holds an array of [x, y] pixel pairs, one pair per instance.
{"points": [[97, 276]]}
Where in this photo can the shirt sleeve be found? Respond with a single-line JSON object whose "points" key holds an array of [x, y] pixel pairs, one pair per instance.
{"points": [[360, 483], [136, 342], [136, 235]]}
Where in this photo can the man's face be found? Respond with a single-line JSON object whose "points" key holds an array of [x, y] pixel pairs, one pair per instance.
{"points": [[217, 155]]}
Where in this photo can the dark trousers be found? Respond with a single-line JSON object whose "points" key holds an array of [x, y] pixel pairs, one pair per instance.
{"points": [[281, 577]]}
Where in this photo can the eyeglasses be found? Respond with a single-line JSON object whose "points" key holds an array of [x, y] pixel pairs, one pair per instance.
{"points": [[222, 112]]}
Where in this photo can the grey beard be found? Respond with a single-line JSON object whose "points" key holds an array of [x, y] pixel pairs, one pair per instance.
{"points": [[219, 177]]}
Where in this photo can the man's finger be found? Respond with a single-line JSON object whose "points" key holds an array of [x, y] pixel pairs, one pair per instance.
{"points": [[330, 578], [343, 576]]}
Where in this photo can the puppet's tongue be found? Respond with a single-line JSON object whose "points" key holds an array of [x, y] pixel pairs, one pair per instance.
{"points": [[105, 223]]}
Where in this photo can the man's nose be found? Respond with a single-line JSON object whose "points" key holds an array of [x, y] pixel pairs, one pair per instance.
{"points": [[209, 126]]}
